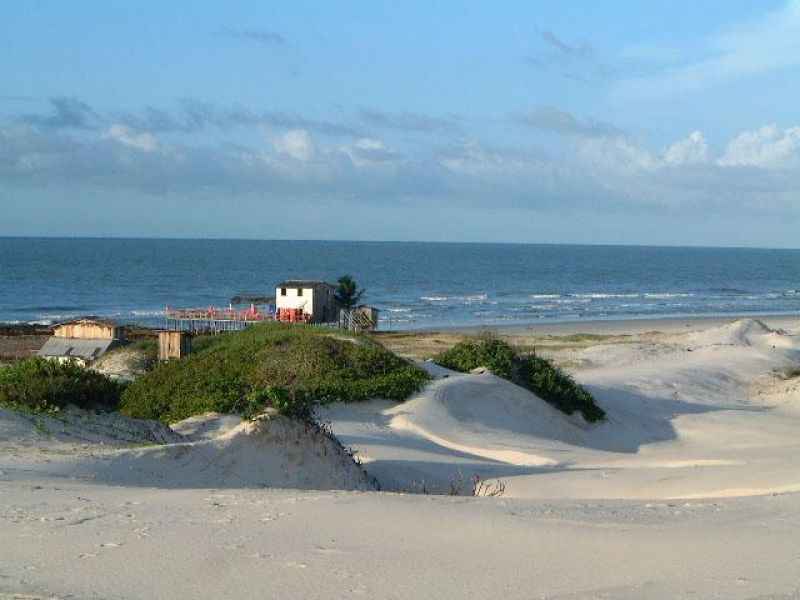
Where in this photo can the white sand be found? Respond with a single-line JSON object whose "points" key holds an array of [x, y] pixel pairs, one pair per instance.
{"points": [[688, 491], [207, 451], [689, 415]]}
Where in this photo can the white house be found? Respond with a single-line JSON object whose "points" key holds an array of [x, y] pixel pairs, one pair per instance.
{"points": [[316, 299]]}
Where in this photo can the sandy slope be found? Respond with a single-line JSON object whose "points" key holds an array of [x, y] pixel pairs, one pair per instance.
{"points": [[102, 511], [207, 451], [693, 415], [76, 540]]}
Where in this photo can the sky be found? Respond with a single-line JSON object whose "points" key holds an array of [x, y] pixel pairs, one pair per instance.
{"points": [[620, 122]]}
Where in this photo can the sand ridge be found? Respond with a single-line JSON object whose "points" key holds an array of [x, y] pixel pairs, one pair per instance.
{"points": [[683, 421], [689, 490]]}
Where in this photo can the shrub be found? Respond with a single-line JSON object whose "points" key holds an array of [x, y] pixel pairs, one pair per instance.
{"points": [[484, 351], [559, 389], [537, 374], [38, 384], [291, 403], [288, 367]]}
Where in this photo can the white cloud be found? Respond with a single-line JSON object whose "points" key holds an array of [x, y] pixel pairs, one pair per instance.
{"points": [[768, 147], [471, 158], [606, 173], [144, 141], [297, 143], [689, 151], [369, 152], [615, 155]]}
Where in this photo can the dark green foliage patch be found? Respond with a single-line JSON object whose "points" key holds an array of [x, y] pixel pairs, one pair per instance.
{"points": [[288, 367], [37, 384], [558, 388], [483, 351], [537, 374]]}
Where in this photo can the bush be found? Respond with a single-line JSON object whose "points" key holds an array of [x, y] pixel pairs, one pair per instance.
{"points": [[288, 367], [291, 403], [537, 374], [559, 389], [485, 351], [38, 384]]}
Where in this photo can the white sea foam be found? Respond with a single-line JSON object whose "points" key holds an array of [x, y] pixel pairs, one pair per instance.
{"points": [[147, 313], [667, 295], [468, 299], [603, 296]]}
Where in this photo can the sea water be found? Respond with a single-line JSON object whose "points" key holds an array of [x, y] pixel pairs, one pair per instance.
{"points": [[416, 285]]}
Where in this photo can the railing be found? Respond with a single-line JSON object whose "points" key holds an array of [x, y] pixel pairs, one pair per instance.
{"points": [[355, 321], [212, 313]]}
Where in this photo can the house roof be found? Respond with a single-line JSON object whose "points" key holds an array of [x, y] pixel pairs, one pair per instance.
{"points": [[77, 348], [305, 283], [95, 320]]}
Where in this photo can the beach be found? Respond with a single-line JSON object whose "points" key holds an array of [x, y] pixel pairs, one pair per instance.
{"points": [[688, 489]]}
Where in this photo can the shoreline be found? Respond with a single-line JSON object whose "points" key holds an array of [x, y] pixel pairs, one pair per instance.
{"points": [[612, 326], [631, 325]]}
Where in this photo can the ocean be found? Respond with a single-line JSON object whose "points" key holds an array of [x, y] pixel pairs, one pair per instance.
{"points": [[416, 285]]}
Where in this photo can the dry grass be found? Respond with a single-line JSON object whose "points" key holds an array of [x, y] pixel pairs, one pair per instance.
{"points": [[422, 345]]}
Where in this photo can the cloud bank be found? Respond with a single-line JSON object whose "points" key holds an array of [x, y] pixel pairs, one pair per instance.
{"points": [[597, 166]]}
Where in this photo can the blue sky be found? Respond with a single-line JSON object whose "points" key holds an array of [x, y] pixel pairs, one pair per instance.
{"points": [[614, 122]]}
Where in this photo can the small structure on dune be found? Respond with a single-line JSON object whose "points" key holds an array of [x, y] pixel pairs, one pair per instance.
{"points": [[295, 301], [306, 301], [174, 344], [82, 340], [360, 318], [213, 319]]}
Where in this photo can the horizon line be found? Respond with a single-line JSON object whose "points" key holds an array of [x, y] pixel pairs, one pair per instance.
{"points": [[346, 241]]}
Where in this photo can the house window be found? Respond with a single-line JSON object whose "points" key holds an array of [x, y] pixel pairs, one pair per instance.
{"points": [[300, 292], [283, 291]]}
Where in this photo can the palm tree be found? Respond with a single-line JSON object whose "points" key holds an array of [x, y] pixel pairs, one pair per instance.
{"points": [[347, 293]]}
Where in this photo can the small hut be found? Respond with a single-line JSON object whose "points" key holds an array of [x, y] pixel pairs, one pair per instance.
{"points": [[90, 328], [82, 340], [174, 344]]}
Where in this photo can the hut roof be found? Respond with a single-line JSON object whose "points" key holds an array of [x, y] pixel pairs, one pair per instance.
{"points": [[96, 320], [305, 283], [74, 348]]}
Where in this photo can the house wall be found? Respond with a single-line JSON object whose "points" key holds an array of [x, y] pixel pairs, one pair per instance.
{"points": [[325, 305], [88, 331], [317, 301], [292, 300]]}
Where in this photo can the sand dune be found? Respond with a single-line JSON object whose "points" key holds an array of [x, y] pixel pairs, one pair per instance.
{"points": [[690, 407], [650, 504], [208, 451]]}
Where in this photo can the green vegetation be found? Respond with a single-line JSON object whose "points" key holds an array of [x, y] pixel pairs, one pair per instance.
{"points": [[288, 367], [347, 293], [482, 351], [38, 385], [559, 389], [537, 374]]}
